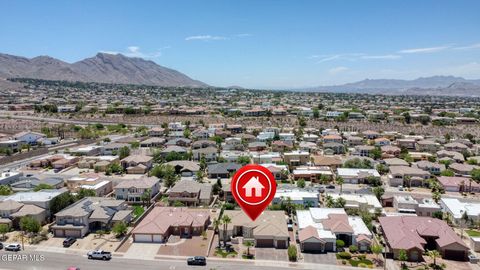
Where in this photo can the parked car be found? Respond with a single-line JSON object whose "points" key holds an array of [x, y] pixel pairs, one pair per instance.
{"points": [[400, 188], [69, 241], [197, 260], [1, 246], [99, 255], [290, 227], [13, 247], [330, 187]]}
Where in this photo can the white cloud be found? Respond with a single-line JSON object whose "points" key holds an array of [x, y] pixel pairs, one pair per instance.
{"points": [[425, 50], [469, 47], [243, 35], [205, 38], [337, 70], [134, 51], [382, 57]]}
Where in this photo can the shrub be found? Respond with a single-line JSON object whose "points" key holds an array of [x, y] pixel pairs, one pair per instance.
{"points": [[362, 257], [353, 248], [344, 262], [344, 255], [362, 265], [292, 253], [340, 244]]}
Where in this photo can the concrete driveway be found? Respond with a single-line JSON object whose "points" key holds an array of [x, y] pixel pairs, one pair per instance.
{"points": [[321, 258], [271, 254], [142, 250]]}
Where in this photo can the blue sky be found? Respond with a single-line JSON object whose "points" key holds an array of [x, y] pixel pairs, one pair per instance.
{"points": [[258, 43]]}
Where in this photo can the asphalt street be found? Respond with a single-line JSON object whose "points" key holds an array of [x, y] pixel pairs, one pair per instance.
{"points": [[38, 260]]}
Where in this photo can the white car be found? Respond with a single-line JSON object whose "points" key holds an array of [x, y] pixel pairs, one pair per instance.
{"points": [[13, 247]]}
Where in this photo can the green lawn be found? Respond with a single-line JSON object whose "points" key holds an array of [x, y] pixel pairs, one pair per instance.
{"points": [[138, 211], [355, 262], [473, 233]]}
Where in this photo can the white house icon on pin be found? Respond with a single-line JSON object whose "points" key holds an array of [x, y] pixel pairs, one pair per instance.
{"points": [[253, 185]]}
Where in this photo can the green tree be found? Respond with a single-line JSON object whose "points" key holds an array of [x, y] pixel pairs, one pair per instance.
{"points": [[120, 229], [165, 172], [475, 173], [42, 186], [353, 248], [292, 253], [340, 244], [447, 172], [146, 197], [216, 224], [60, 202], [339, 180], [225, 221], [29, 224], [402, 257], [433, 254], [5, 190], [123, 152], [4, 228], [244, 160], [83, 192], [376, 249], [248, 244], [301, 183], [378, 191]]}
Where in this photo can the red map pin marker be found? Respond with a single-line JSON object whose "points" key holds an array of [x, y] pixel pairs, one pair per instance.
{"points": [[253, 187]]}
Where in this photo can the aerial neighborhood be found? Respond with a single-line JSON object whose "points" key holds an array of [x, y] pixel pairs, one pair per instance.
{"points": [[362, 181]]}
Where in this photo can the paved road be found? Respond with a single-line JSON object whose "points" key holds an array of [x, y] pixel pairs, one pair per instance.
{"points": [[28, 260]]}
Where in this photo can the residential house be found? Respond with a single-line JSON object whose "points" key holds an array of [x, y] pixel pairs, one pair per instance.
{"points": [[280, 172], [363, 150], [9, 177], [11, 145], [431, 167], [312, 173], [357, 176], [156, 132], [360, 202], [300, 197], [135, 190], [390, 151], [416, 235], [12, 211], [408, 176], [28, 137], [90, 214], [162, 222], [456, 209], [114, 148], [153, 142], [209, 153], [296, 158], [462, 168], [333, 148], [222, 170], [185, 167], [268, 230], [91, 181], [190, 192], [137, 164], [319, 228], [456, 147], [427, 146], [458, 184], [332, 138]]}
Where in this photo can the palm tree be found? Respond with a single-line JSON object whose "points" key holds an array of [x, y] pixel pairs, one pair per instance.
{"points": [[434, 254], [248, 244], [146, 197], [216, 224], [225, 221], [340, 182], [408, 180], [465, 219]]}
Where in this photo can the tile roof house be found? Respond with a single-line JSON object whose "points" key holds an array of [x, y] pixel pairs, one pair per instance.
{"points": [[415, 235], [456, 209], [399, 174], [133, 190], [356, 176], [89, 214], [319, 228], [162, 222], [191, 192], [185, 167], [432, 167], [11, 212], [137, 164], [268, 230], [222, 170], [209, 153], [458, 184]]}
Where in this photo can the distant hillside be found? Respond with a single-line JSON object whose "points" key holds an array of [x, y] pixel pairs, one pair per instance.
{"points": [[436, 85], [104, 68]]}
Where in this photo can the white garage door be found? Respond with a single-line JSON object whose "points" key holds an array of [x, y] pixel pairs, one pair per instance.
{"points": [[143, 238], [157, 238]]}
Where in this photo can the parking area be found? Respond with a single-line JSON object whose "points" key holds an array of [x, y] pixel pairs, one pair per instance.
{"points": [[324, 258], [195, 246], [271, 254], [142, 250], [107, 242]]}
